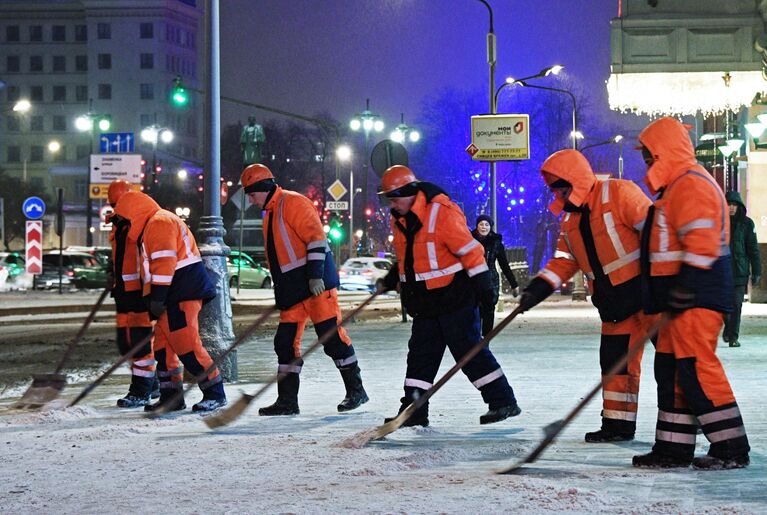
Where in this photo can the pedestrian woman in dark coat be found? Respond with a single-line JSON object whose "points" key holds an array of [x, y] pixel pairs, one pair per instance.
{"points": [[745, 261], [494, 250]]}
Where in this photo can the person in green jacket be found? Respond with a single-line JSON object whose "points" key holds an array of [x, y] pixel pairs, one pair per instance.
{"points": [[745, 262]]}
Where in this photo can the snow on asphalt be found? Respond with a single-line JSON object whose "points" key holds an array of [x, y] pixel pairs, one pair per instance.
{"points": [[94, 458]]}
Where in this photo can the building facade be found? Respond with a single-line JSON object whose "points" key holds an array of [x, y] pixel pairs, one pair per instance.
{"points": [[100, 58]]}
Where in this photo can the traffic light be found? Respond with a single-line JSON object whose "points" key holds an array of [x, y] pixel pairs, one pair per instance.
{"points": [[336, 232], [179, 95]]}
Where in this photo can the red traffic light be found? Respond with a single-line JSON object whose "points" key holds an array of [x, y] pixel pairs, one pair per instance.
{"points": [[368, 212], [158, 169], [143, 162]]}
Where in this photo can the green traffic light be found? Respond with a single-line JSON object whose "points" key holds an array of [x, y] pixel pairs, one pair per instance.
{"points": [[335, 234], [180, 96]]}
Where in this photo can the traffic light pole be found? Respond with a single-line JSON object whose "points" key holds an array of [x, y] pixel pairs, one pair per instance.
{"points": [[216, 316]]}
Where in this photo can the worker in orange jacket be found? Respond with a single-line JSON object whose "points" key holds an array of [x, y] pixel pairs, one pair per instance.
{"points": [[687, 271], [133, 323], [443, 277], [599, 234], [175, 284], [305, 282]]}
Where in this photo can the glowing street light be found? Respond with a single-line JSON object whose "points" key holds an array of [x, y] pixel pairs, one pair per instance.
{"points": [[404, 132]]}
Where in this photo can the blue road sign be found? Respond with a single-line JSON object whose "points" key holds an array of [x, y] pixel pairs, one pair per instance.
{"points": [[33, 208], [114, 142]]}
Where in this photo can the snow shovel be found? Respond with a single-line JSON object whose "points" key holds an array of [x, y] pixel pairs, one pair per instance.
{"points": [[552, 430], [362, 438], [233, 412], [47, 387], [163, 408]]}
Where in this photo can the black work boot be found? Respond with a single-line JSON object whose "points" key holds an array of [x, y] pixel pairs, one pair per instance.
{"points": [[287, 398], [655, 460], [355, 393], [714, 463], [608, 435], [420, 417], [171, 399], [213, 397], [497, 414], [138, 393]]}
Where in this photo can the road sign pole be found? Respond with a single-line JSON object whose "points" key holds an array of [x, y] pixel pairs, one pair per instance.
{"points": [[2, 221]]}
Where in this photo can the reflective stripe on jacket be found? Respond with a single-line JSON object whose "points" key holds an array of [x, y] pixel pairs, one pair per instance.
{"points": [[688, 239], [617, 212], [300, 246], [442, 247], [167, 245]]}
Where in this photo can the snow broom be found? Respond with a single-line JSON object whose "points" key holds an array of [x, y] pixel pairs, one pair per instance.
{"points": [[47, 387], [134, 350], [552, 430], [163, 408], [362, 438], [233, 412]]}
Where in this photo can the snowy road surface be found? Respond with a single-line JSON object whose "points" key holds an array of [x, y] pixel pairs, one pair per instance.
{"points": [[95, 459]]}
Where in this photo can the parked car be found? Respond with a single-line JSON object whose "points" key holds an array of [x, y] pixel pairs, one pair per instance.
{"points": [[92, 276], [13, 263], [73, 264], [251, 274], [363, 273]]}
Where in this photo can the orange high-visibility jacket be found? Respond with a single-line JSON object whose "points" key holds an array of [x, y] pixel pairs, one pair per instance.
{"points": [[689, 237], [130, 261], [692, 222], [167, 247], [617, 213], [443, 246], [299, 246]]}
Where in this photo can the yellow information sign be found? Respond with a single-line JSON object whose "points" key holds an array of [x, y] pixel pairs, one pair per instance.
{"points": [[500, 137]]}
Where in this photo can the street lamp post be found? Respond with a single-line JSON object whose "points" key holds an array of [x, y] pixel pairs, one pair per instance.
{"points": [[404, 132], [367, 121], [491, 69], [87, 123], [216, 316]]}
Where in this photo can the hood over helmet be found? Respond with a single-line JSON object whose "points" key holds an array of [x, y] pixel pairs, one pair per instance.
{"points": [[573, 167], [668, 140], [138, 208]]}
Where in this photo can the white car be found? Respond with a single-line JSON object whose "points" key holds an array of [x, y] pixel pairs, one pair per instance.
{"points": [[363, 273]]}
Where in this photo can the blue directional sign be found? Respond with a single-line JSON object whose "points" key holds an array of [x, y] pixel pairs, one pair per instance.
{"points": [[114, 142], [33, 208]]}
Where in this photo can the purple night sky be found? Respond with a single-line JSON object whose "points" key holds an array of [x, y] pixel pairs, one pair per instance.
{"points": [[313, 56]]}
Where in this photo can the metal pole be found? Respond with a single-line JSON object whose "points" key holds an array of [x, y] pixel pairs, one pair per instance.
{"points": [[88, 201], [366, 158], [620, 159], [2, 222], [216, 316], [351, 210], [579, 288], [491, 66], [243, 207]]}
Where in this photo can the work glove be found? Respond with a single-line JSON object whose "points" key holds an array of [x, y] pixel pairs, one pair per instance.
{"points": [[316, 286], [110, 278], [755, 279], [156, 308], [680, 298], [390, 281], [515, 292], [536, 291]]}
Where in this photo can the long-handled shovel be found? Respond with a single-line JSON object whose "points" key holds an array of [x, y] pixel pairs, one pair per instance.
{"points": [[47, 387], [362, 438], [233, 412], [133, 350], [552, 430], [163, 408]]}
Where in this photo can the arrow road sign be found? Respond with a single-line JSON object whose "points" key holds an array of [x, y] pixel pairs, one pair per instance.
{"points": [[33, 208], [114, 142], [34, 247]]}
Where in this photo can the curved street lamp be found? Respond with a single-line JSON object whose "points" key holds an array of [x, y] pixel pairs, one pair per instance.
{"points": [[617, 140]]}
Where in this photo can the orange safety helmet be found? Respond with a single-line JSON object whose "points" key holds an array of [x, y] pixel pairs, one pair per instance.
{"points": [[253, 174], [117, 189], [396, 177]]}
